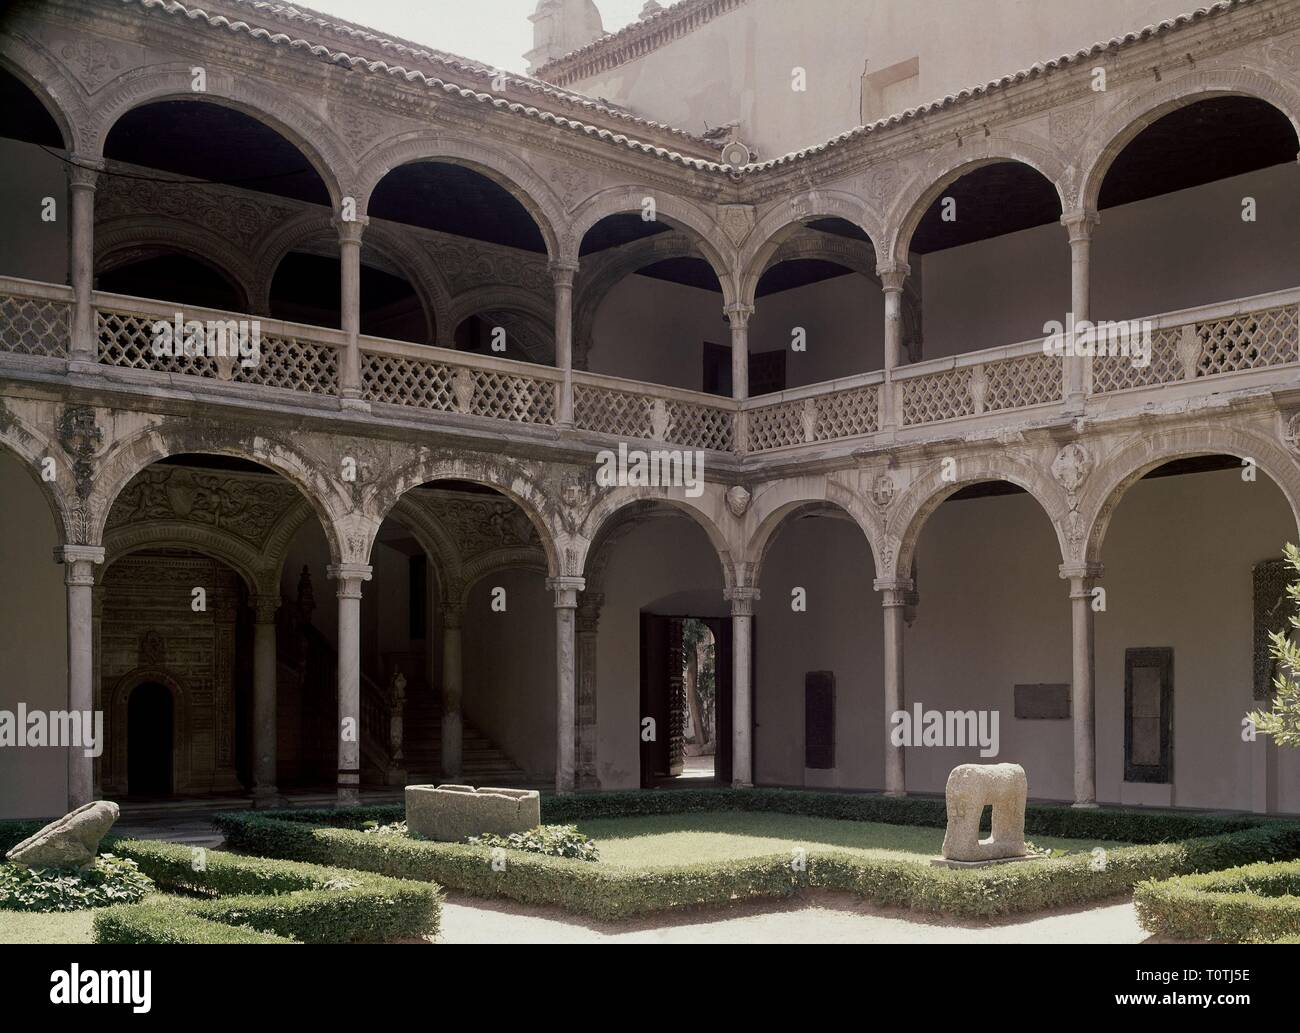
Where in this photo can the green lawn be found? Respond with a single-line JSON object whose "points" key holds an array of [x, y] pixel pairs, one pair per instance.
{"points": [[672, 839], [59, 927]]}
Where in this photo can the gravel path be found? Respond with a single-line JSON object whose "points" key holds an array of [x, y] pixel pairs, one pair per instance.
{"points": [[812, 918]]}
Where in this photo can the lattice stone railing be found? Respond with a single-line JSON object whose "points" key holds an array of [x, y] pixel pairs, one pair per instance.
{"points": [[831, 415], [35, 318], [433, 378], [1246, 335], [997, 380], [290, 357], [605, 405]]}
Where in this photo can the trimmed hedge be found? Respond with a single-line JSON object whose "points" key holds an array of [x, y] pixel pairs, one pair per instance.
{"points": [[1257, 902], [1104, 823], [610, 892], [254, 900]]}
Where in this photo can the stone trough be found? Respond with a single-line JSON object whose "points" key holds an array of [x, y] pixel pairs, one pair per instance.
{"points": [[449, 813]]}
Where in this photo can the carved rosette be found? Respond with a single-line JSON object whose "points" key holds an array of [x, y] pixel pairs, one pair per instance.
{"points": [[738, 499]]}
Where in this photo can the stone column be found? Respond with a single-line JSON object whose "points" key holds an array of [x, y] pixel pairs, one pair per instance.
{"points": [[893, 599], [742, 600], [1078, 371], [892, 278], [562, 274], [79, 577], [453, 728], [349, 577], [566, 602], [82, 175], [586, 728], [738, 317], [350, 317], [264, 700], [1083, 578]]}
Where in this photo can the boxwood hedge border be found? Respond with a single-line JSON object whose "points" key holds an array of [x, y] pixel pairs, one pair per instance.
{"points": [[1251, 904], [229, 898], [1170, 843]]}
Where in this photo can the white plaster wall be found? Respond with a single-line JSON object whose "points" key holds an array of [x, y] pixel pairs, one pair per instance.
{"points": [[841, 631], [508, 668], [1169, 252], [29, 246], [33, 642], [739, 66], [1178, 560], [667, 566]]}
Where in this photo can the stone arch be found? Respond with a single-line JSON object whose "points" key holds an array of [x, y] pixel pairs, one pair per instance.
{"points": [[119, 697], [139, 450], [776, 227], [506, 476], [311, 227], [911, 510], [603, 271], [49, 83], [1105, 141], [501, 297], [609, 511], [238, 555], [1146, 451], [276, 109], [955, 161], [439, 547], [30, 448], [503, 168], [713, 243], [773, 505], [117, 239], [489, 563]]}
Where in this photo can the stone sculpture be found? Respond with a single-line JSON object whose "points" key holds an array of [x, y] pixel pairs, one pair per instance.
{"points": [[449, 813], [70, 842], [972, 787]]}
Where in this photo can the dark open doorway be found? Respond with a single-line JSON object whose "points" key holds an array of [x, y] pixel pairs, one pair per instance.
{"points": [[686, 694], [149, 741]]}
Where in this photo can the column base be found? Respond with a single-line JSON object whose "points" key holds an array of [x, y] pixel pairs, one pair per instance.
{"points": [[397, 777], [354, 403], [896, 794], [1085, 805], [83, 365], [267, 798], [737, 784], [349, 792]]}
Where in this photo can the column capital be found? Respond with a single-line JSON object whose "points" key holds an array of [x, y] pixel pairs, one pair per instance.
{"points": [[349, 577], [350, 230], [738, 313], [1081, 571], [892, 274], [83, 171], [1080, 223], [264, 608], [742, 599], [566, 591], [452, 615], [894, 590], [78, 554], [563, 271]]}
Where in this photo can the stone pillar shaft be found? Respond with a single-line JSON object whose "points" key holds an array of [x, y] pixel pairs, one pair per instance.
{"points": [[585, 725], [264, 700], [738, 317], [350, 315], [1078, 371], [82, 175], [742, 713], [893, 598], [349, 577], [566, 603], [1083, 707], [562, 275], [79, 578], [453, 728], [892, 278]]}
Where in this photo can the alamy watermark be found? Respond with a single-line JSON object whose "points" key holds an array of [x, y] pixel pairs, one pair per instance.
{"points": [[216, 338], [921, 727], [62, 728], [1085, 339], [651, 468]]}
